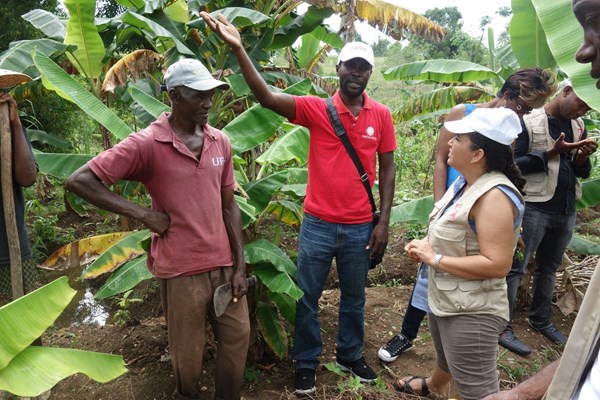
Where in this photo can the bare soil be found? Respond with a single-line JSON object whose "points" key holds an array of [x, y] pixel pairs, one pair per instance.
{"points": [[143, 344]]}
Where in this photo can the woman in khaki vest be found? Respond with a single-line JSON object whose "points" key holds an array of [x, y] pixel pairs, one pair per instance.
{"points": [[472, 235]]}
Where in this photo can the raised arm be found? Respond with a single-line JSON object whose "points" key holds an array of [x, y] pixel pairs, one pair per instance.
{"points": [[88, 186], [24, 167], [282, 103]]}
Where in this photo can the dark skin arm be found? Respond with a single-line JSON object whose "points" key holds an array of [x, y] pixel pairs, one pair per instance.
{"points": [[387, 178], [282, 103], [88, 186], [232, 217], [24, 167], [533, 388]]}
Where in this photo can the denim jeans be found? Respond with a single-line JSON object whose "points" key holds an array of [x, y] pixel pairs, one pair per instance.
{"points": [[319, 243], [546, 235]]}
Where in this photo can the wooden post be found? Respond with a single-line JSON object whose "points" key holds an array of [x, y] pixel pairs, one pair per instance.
{"points": [[8, 201]]}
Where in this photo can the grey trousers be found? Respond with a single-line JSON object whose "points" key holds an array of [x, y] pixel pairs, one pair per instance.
{"points": [[466, 347]]}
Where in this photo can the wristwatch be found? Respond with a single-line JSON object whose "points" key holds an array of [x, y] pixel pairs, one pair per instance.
{"points": [[436, 261]]}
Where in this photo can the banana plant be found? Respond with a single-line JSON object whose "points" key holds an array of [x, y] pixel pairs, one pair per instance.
{"points": [[28, 370]]}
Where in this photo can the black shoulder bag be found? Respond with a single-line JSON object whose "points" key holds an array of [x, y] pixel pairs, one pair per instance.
{"points": [[334, 118]]}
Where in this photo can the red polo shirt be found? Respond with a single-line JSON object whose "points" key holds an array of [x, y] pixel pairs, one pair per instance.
{"points": [[188, 190], [335, 192]]}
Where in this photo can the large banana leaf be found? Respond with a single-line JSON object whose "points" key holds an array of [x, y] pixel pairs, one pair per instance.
{"points": [[27, 318], [54, 78], [30, 370], [248, 211], [60, 165], [590, 195], [262, 251], [82, 32], [82, 251], [294, 28], [165, 38], [18, 56], [527, 37], [583, 246], [272, 329], [261, 191], [441, 70], [118, 254], [289, 212], [293, 145], [439, 99], [307, 50], [149, 103], [564, 35], [46, 138], [257, 124], [38, 369], [412, 211], [126, 277], [239, 16], [285, 304], [277, 282], [46, 22]]}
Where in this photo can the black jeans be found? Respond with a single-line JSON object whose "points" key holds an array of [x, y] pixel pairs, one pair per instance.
{"points": [[412, 319]]}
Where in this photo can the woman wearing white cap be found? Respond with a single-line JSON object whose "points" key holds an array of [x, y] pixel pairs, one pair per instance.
{"points": [[471, 239]]}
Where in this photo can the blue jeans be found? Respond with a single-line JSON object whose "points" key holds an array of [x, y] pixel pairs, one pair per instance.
{"points": [[320, 241], [546, 235]]}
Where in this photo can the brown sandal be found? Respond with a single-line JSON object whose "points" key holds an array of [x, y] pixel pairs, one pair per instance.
{"points": [[406, 388]]}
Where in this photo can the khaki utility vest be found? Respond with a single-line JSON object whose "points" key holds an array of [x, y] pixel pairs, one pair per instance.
{"points": [[451, 235], [579, 351], [540, 186]]}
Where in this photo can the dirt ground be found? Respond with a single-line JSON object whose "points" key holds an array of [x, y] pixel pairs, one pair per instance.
{"points": [[143, 344]]}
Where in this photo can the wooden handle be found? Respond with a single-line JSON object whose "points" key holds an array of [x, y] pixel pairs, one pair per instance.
{"points": [[8, 203]]}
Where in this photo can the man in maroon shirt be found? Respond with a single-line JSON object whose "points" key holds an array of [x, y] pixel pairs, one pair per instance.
{"points": [[187, 169], [337, 213]]}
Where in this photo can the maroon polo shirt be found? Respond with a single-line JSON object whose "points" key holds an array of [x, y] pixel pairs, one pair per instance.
{"points": [[187, 189]]}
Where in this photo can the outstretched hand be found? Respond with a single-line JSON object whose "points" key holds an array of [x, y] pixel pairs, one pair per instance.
{"points": [[223, 28], [561, 146]]}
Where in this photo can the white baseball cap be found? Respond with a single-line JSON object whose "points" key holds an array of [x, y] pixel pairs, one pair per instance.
{"points": [[357, 50], [193, 74], [502, 125]]}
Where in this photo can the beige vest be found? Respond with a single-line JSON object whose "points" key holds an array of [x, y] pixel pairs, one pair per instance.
{"points": [[450, 234], [540, 186], [578, 351]]}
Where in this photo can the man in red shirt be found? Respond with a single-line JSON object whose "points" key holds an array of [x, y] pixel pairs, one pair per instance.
{"points": [[187, 169], [338, 217]]}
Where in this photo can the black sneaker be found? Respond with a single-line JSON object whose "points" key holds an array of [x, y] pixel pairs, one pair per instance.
{"points": [[509, 341], [305, 380], [359, 369], [392, 349]]}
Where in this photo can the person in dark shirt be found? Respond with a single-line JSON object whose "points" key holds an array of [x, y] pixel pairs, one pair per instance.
{"points": [[552, 152], [24, 173]]}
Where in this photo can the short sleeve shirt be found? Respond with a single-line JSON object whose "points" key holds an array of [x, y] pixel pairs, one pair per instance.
{"points": [[187, 189], [335, 192]]}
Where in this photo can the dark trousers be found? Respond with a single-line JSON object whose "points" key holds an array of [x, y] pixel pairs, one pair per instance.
{"points": [[412, 320]]}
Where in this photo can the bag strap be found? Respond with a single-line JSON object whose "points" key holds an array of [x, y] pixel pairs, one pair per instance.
{"points": [[334, 118]]}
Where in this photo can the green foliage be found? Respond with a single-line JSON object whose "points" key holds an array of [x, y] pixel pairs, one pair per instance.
{"points": [[122, 315], [27, 370], [10, 16]]}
